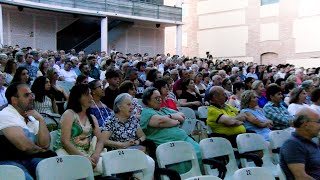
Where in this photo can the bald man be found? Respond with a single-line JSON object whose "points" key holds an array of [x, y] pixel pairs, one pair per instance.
{"points": [[299, 155], [224, 120]]}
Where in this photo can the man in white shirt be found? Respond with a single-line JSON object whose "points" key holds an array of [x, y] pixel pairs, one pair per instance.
{"points": [[67, 74], [23, 131]]}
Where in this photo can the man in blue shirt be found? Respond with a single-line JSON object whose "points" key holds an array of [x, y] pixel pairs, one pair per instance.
{"points": [[299, 155]]}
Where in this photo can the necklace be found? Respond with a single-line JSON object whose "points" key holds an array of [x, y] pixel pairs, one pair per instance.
{"points": [[99, 108]]}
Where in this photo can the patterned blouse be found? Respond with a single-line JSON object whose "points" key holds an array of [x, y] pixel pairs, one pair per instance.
{"points": [[121, 132], [137, 108]]}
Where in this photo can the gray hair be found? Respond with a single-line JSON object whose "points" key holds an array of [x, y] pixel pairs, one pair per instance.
{"points": [[147, 93], [246, 98], [118, 101]]}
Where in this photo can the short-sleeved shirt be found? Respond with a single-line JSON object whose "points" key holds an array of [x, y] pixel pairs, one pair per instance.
{"points": [[300, 150], [69, 76], [160, 135], [121, 132], [214, 113], [10, 117], [262, 100]]}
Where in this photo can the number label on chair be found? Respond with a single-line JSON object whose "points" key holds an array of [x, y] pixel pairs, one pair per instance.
{"points": [[278, 132], [189, 122], [247, 135], [248, 172], [59, 160], [211, 140], [171, 144], [121, 153]]}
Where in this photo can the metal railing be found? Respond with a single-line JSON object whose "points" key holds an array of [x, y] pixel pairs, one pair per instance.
{"points": [[142, 8]]}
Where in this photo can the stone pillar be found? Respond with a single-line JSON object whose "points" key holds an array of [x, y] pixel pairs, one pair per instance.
{"points": [[179, 40], [1, 26], [104, 35]]}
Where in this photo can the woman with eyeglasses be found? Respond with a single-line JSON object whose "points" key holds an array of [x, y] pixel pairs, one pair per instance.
{"points": [[256, 120], [163, 88], [129, 87], [297, 98], [161, 125], [44, 101], [98, 109]]}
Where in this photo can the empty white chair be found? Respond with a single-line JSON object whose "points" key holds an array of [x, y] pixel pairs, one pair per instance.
{"points": [[65, 167], [188, 112], [11, 172], [204, 178], [253, 173], [203, 112], [177, 152], [126, 160], [281, 174], [277, 138], [53, 139], [249, 142], [217, 147]]}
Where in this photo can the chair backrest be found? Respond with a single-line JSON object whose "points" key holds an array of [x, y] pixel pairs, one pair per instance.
{"points": [[123, 160], [203, 112], [277, 138], [281, 174], [177, 152], [11, 172], [65, 167], [204, 178], [188, 112], [53, 139], [249, 142], [66, 85], [216, 147], [253, 173]]}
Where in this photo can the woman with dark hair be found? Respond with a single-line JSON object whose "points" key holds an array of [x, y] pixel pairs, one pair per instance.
{"points": [[250, 73], [163, 88], [248, 82], [141, 66], [227, 86], [44, 102], [161, 125], [281, 83], [235, 99], [43, 67], [200, 87], [59, 94], [129, 87], [10, 70], [98, 109], [315, 98], [189, 97], [152, 76], [82, 79], [297, 98], [21, 75], [78, 128]]}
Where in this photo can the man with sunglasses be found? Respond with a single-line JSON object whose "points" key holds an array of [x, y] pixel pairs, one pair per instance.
{"points": [[299, 155]]}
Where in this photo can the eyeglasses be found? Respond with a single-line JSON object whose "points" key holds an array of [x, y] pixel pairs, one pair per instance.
{"points": [[27, 95], [101, 87], [157, 98], [318, 121]]}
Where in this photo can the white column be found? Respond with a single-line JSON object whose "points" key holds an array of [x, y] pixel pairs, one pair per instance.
{"points": [[179, 33], [104, 35], [179, 40], [1, 26]]}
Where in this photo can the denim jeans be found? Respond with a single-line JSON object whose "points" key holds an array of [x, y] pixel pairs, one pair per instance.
{"points": [[27, 165]]}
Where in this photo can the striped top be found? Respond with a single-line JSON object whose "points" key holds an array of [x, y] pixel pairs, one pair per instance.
{"points": [[45, 106]]}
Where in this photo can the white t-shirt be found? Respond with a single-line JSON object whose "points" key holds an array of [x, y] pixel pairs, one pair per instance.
{"points": [[70, 76], [294, 108], [10, 117], [316, 108]]}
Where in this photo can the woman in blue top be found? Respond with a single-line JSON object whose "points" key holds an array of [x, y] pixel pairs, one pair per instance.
{"points": [[256, 120], [258, 88]]}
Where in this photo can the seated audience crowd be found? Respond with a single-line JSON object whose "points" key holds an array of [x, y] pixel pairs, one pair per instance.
{"points": [[132, 101]]}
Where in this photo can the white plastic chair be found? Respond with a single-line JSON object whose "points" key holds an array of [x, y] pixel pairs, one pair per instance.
{"points": [[216, 147], [204, 178], [203, 112], [253, 173], [53, 139], [277, 138], [249, 142], [65, 167], [11, 172], [124, 160], [177, 152], [188, 112], [281, 174]]}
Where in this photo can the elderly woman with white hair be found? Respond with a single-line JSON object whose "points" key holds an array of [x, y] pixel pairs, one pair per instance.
{"points": [[122, 129], [259, 89]]}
